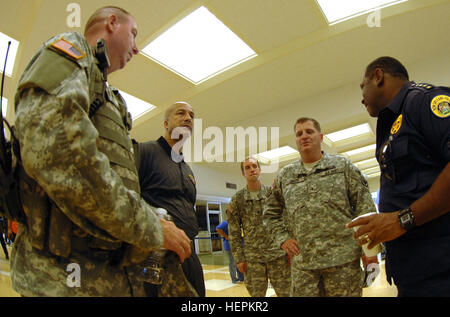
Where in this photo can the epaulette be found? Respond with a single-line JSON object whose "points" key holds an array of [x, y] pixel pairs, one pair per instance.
{"points": [[422, 86]]}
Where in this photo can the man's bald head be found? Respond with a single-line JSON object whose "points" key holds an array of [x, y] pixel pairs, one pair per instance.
{"points": [[173, 107], [101, 14]]}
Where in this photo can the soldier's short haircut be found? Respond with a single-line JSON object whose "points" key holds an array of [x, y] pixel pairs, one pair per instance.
{"points": [[101, 14], [305, 119], [246, 159], [389, 65]]}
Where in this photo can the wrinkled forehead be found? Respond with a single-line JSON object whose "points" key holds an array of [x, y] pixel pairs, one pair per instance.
{"points": [[182, 105], [177, 106]]}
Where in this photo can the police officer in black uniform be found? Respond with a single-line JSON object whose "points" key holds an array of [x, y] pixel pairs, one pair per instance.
{"points": [[413, 150], [168, 182]]}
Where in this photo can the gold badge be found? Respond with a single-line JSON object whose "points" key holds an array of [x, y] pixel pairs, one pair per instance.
{"points": [[192, 178], [397, 124], [440, 106], [68, 48]]}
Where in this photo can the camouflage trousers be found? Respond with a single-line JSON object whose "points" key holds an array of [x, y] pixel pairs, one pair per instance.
{"points": [[258, 274], [343, 280]]}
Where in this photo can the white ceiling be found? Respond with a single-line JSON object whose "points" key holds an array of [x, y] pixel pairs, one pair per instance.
{"points": [[304, 67]]}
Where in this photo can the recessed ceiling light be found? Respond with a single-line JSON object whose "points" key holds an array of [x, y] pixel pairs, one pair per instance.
{"points": [[369, 148], [137, 107], [349, 133], [372, 170], [367, 163], [338, 11], [277, 153], [377, 174], [198, 47], [4, 39]]}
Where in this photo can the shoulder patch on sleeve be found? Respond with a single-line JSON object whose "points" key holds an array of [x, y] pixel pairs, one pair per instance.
{"points": [[229, 209], [440, 106], [68, 48]]}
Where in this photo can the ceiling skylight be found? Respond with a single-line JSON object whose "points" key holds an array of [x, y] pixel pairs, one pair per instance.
{"points": [[355, 131], [280, 154], [198, 47], [338, 11], [136, 106], [367, 163], [364, 149], [372, 172], [11, 55]]}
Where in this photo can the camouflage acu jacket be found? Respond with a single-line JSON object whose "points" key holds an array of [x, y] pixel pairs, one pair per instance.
{"points": [[245, 217], [319, 204], [82, 172]]}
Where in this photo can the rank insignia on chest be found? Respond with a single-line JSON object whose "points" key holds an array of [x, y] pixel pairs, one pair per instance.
{"points": [[68, 48], [397, 124], [440, 106]]}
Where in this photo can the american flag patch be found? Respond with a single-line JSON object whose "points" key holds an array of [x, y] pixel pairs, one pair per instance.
{"points": [[68, 48]]}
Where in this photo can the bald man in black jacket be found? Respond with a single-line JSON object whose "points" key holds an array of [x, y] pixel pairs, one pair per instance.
{"points": [[168, 182]]}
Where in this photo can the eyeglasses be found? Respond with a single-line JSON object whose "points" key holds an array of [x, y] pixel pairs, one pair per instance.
{"points": [[386, 169]]}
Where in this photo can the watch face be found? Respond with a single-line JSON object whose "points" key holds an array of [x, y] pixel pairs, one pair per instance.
{"points": [[405, 218]]}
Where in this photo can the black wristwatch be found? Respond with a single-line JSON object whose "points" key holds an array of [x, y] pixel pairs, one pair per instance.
{"points": [[406, 218]]}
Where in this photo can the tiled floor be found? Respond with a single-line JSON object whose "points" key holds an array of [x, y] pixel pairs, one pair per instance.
{"points": [[217, 280]]}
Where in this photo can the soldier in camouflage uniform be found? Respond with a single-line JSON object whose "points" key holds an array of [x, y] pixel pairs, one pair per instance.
{"points": [[258, 257], [81, 196], [321, 193]]}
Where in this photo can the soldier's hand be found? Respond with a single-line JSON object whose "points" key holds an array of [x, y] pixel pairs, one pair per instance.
{"points": [[176, 240], [290, 246]]}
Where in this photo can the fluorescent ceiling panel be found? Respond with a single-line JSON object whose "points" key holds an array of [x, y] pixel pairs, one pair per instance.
{"points": [[372, 170], [4, 39], [137, 107], [367, 163], [277, 153], [377, 174], [337, 11], [198, 47], [349, 133], [370, 148]]}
